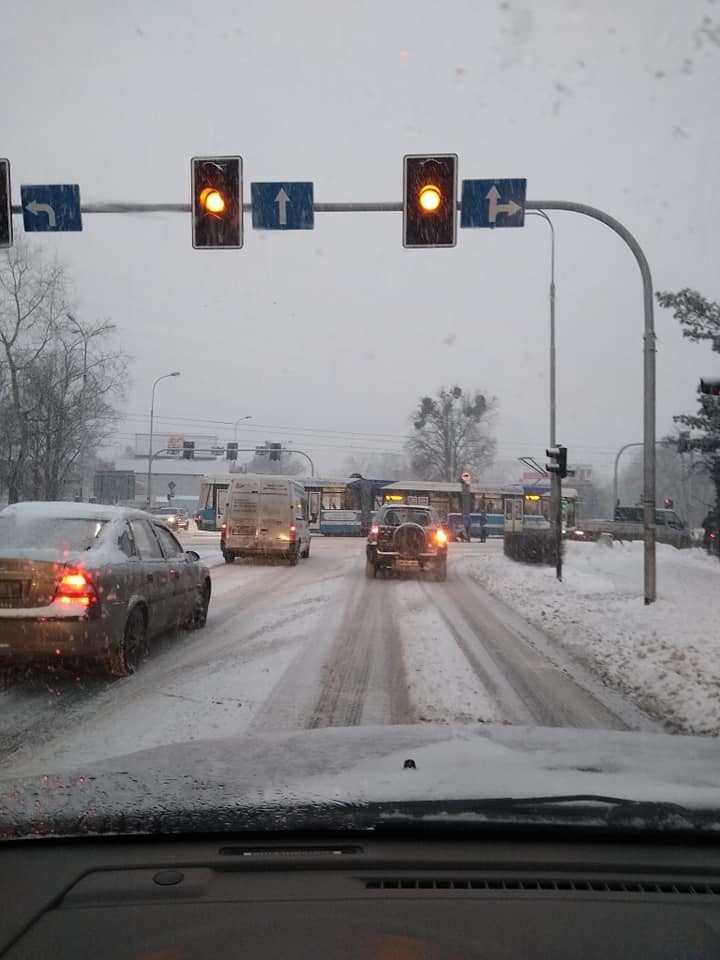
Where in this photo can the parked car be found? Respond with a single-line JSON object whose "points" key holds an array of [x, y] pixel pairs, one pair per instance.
{"points": [[175, 517], [407, 537], [85, 582]]}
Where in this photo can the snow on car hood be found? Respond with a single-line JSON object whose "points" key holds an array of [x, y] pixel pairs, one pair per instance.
{"points": [[223, 781]]}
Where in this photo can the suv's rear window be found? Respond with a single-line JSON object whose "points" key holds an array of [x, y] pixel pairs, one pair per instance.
{"points": [[397, 515], [49, 532]]}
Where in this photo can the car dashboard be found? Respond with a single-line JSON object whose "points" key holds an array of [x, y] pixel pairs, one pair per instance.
{"points": [[359, 896]]}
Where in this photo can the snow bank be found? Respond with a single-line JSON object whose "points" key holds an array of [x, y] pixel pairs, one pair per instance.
{"points": [[665, 657]]}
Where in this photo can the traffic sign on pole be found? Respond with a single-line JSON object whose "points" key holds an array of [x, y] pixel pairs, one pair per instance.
{"points": [[493, 203], [466, 477], [51, 207], [282, 206], [5, 205]]}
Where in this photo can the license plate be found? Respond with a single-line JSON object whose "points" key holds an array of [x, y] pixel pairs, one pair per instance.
{"points": [[406, 563]]}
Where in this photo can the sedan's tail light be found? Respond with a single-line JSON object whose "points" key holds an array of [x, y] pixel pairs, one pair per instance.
{"points": [[76, 587]]}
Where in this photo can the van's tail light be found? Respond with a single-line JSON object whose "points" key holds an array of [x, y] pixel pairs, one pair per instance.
{"points": [[440, 535], [293, 532], [77, 588], [223, 527], [374, 531]]}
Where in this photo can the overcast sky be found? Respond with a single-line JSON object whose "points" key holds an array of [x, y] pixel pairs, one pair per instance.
{"points": [[328, 337]]}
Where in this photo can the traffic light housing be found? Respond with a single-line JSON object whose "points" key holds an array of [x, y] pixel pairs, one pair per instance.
{"points": [[188, 450], [430, 200], [231, 451], [217, 215], [710, 387], [5, 205], [558, 460], [275, 451]]}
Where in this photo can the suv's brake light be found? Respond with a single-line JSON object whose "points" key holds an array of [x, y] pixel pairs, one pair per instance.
{"points": [[76, 587], [440, 535], [374, 531]]}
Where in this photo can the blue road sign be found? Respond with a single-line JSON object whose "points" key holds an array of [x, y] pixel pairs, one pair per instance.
{"points": [[48, 207], [282, 206], [493, 203]]}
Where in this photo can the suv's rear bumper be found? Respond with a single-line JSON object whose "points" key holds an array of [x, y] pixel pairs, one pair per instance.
{"points": [[390, 557]]}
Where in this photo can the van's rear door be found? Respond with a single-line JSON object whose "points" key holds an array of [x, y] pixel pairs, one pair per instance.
{"points": [[276, 515], [243, 515]]}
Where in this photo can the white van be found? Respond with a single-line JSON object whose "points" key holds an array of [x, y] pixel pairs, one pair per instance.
{"points": [[265, 516]]}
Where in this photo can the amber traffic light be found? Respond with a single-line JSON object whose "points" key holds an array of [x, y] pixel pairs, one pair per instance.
{"points": [[430, 200], [217, 202]]}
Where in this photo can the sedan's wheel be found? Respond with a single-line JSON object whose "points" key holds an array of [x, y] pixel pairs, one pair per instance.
{"points": [[370, 569], [200, 610], [126, 659]]}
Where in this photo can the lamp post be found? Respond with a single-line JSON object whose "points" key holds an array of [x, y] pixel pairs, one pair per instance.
{"points": [[84, 336], [239, 420], [175, 373]]}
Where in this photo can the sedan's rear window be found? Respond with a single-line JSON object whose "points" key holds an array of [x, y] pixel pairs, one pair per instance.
{"points": [[49, 533]]}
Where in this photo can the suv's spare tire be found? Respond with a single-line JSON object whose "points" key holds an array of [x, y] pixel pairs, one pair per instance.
{"points": [[409, 540]]}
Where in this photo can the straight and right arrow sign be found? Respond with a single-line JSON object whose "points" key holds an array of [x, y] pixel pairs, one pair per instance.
{"points": [[493, 203]]}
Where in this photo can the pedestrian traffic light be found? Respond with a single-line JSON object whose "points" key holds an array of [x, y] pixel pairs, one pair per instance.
{"points": [[430, 200], [710, 387], [275, 451], [188, 449], [558, 460], [231, 451], [217, 216], [5, 205]]}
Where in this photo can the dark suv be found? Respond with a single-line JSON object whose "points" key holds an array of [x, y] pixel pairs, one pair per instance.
{"points": [[404, 537]]}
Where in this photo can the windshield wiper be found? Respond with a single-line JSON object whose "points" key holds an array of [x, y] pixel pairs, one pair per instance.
{"points": [[585, 810]]}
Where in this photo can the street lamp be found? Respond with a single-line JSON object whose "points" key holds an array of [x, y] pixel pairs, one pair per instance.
{"points": [[84, 336], [239, 420], [175, 373]]}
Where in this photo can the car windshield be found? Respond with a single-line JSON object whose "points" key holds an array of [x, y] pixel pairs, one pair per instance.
{"points": [[432, 478], [48, 532]]}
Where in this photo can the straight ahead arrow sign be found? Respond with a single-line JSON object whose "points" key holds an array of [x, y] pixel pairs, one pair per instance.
{"points": [[282, 200]]}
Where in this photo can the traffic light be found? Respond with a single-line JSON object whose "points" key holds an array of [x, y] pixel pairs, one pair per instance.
{"points": [[430, 200], [668, 503], [231, 451], [217, 218], [188, 449], [275, 451], [558, 461], [710, 387], [5, 205]]}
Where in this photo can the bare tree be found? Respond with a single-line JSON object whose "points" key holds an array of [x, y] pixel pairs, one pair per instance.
{"points": [[58, 379], [451, 434]]}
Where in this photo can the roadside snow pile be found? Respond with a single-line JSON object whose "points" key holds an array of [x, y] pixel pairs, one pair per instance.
{"points": [[664, 657]]}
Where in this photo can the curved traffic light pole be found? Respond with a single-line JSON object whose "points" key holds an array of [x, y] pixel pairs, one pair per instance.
{"points": [[648, 337]]}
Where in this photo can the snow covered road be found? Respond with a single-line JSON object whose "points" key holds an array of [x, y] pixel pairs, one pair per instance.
{"points": [[316, 645]]}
